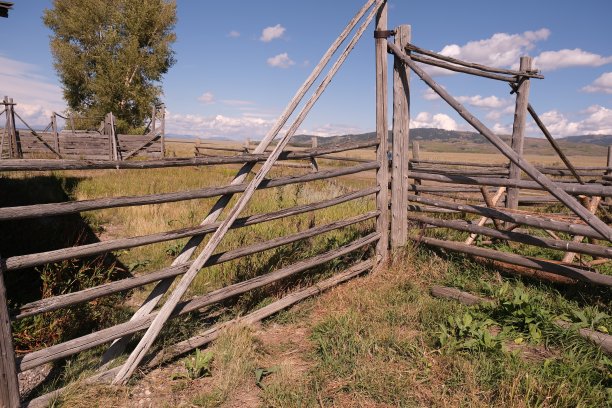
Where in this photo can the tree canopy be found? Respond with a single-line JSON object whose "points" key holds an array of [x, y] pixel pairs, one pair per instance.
{"points": [[111, 55]]}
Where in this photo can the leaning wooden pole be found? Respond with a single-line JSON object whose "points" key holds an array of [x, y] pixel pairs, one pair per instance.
{"points": [[507, 151], [382, 174], [518, 129], [189, 248], [145, 343], [401, 140]]}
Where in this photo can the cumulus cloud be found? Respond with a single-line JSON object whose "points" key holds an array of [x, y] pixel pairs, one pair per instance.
{"points": [[233, 34], [217, 125], [271, 33], [280, 61], [430, 95], [36, 96], [596, 120], [501, 49], [331, 129], [207, 98], [439, 121], [603, 84], [551, 60], [488, 102]]}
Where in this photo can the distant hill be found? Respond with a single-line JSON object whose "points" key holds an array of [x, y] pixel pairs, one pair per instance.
{"points": [[439, 140]]}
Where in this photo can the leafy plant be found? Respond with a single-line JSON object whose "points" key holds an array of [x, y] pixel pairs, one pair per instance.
{"points": [[467, 333], [197, 366]]}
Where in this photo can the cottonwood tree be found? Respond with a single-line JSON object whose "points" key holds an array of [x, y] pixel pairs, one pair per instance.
{"points": [[111, 55]]}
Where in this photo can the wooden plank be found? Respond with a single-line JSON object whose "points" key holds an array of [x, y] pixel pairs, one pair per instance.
{"points": [[382, 175], [142, 146], [518, 129], [9, 387], [592, 206], [520, 161], [50, 165], [212, 333], [464, 70], [71, 207], [512, 216], [458, 295], [539, 264], [145, 343], [40, 258], [401, 140], [491, 202], [86, 342], [570, 188], [560, 245]]}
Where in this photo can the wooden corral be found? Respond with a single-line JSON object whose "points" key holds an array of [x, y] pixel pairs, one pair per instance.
{"points": [[401, 188]]}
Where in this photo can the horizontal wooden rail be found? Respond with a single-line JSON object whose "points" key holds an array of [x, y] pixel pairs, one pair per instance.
{"points": [[411, 47], [62, 350], [499, 172], [52, 165], [30, 260], [512, 216], [561, 245], [458, 163], [570, 188], [69, 299], [212, 333], [514, 259], [71, 207], [464, 70]]}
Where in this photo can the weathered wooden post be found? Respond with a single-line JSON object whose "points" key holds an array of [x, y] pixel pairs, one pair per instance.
{"points": [[162, 110], [113, 136], [9, 386], [55, 133], [382, 174], [314, 143], [416, 155], [108, 133], [400, 144], [518, 129], [153, 119]]}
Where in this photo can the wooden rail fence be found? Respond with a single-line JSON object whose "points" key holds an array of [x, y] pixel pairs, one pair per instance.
{"points": [[557, 209]]}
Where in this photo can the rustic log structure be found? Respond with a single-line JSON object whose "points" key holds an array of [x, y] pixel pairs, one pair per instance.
{"points": [[507, 207]]}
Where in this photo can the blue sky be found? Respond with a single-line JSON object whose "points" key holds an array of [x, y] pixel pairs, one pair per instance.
{"points": [[240, 62]]}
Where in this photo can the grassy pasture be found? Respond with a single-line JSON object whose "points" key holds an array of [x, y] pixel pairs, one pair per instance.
{"points": [[380, 340]]}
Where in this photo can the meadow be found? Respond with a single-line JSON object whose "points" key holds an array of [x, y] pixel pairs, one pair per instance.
{"points": [[379, 340]]}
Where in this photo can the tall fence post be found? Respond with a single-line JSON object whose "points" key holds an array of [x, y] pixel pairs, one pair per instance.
{"points": [[9, 385], [162, 111], [113, 136], [518, 129], [382, 135], [55, 133], [400, 144]]}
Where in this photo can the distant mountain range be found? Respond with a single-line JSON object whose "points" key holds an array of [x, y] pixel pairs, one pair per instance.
{"points": [[461, 141]]}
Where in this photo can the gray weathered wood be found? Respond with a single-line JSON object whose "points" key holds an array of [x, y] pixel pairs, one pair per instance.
{"points": [[382, 135], [400, 146], [62, 350], [71, 207], [145, 343], [518, 129], [213, 332], [561, 245], [142, 146], [491, 202], [458, 295], [30, 260], [570, 188], [513, 217], [534, 263], [592, 206], [464, 70], [411, 47], [520, 161], [9, 387]]}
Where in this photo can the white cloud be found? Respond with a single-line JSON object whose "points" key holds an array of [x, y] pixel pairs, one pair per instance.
{"points": [[439, 121], [36, 96], [217, 125], [551, 60], [488, 102], [207, 98], [430, 95], [270, 33], [603, 84], [233, 34], [500, 50], [331, 129], [596, 120], [280, 61]]}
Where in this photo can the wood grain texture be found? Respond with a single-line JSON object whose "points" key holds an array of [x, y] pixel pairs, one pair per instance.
{"points": [[9, 387]]}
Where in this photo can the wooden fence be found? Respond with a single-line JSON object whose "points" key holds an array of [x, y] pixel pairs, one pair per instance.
{"points": [[69, 143], [401, 189]]}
